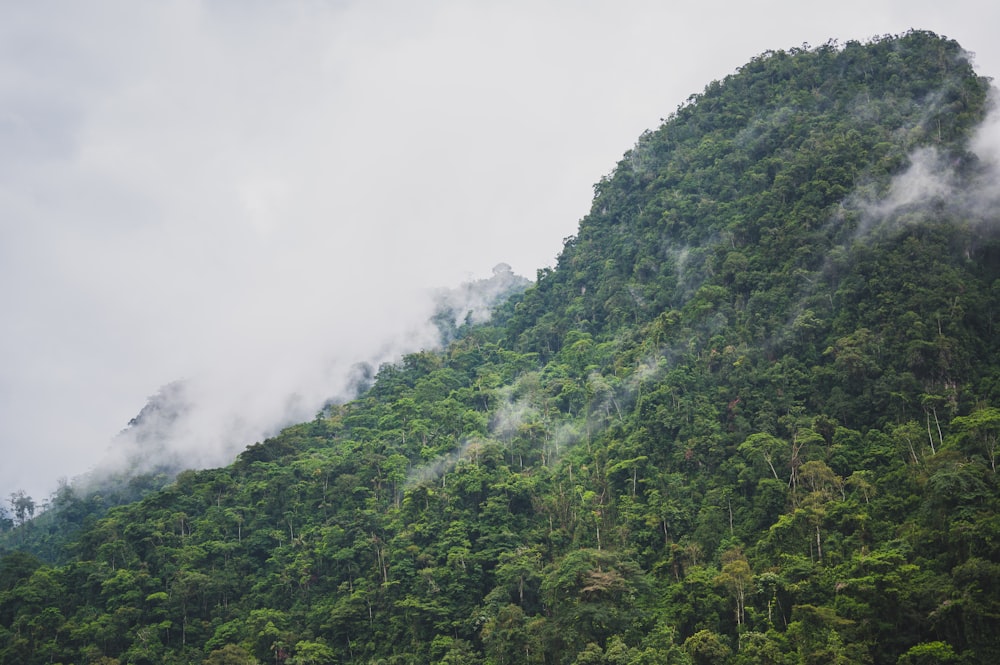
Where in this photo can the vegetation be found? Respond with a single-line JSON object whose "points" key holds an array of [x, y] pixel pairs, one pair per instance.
{"points": [[752, 416]]}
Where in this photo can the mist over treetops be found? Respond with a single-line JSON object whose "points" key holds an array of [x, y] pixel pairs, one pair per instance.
{"points": [[751, 416]]}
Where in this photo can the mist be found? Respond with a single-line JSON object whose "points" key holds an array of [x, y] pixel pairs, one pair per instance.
{"points": [[251, 198], [205, 420], [966, 186]]}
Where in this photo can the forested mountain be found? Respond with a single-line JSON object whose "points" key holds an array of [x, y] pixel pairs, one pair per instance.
{"points": [[751, 416]]}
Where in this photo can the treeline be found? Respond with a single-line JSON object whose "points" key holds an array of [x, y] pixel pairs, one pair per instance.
{"points": [[750, 417]]}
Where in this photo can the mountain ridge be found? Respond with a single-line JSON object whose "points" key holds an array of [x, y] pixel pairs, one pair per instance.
{"points": [[750, 416]]}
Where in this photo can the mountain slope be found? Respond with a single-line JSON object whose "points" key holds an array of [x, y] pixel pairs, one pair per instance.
{"points": [[750, 417]]}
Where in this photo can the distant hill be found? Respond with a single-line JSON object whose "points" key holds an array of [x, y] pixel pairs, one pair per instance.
{"points": [[751, 416]]}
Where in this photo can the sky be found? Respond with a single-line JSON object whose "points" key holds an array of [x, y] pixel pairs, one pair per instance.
{"points": [[253, 196]]}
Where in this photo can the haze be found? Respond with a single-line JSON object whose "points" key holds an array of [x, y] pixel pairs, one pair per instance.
{"points": [[254, 196]]}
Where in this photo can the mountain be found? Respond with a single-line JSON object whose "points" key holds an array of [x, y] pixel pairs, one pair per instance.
{"points": [[751, 416], [168, 433]]}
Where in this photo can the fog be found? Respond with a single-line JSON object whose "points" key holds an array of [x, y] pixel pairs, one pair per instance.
{"points": [[252, 197], [967, 188]]}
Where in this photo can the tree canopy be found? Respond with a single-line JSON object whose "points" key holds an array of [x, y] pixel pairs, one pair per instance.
{"points": [[751, 416]]}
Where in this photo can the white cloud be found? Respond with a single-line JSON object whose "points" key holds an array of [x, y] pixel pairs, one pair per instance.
{"points": [[258, 194]]}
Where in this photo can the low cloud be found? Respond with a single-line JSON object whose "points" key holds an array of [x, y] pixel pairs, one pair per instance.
{"points": [[253, 197], [963, 185], [207, 419]]}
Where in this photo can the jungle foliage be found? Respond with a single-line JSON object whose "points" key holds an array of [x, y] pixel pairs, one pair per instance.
{"points": [[751, 416]]}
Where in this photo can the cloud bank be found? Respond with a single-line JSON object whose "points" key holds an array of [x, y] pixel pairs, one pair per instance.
{"points": [[254, 196], [963, 185]]}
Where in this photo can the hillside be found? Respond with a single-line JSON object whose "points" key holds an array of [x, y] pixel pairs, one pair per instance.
{"points": [[751, 416]]}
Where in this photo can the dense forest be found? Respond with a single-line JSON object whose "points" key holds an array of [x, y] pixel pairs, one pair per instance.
{"points": [[751, 416]]}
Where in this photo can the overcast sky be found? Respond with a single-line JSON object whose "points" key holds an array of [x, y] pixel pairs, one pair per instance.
{"points": [[254, 195]]}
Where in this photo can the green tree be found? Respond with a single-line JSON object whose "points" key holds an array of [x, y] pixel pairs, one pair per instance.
{"points": [[230, 654], [979, 432], [707, 648]]}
